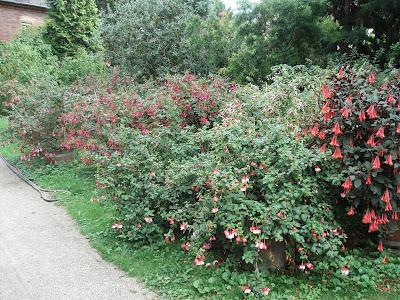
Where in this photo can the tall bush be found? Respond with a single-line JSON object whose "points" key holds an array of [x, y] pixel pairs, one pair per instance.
{"points": [[72, 24], [145, 37], [360, 127]]}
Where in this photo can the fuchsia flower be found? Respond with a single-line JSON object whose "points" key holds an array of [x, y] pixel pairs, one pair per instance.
{"points": [[345, 270], [371, 112], [255, 230], [380, 133], [117, 225], [337, 129], [206, 246], [265, 291], [243, 188], [380, 246], [368, 180], [183, 226], [199, 260], [347, 185], [203, 120], [185, 246], [148, 219], [334, 142], [302, 267], [230, 233], [323, 148], [337, 154], [317, 169], [346, 112], [309, 265], [386, 196], [361, 116], [372, 78], [245, 179], [388, 160], [214, 210], [327, 93], [350, 212], [314, 130], [261, 245], [376, 163], [246, 289], [390, 99], [371, 141]]}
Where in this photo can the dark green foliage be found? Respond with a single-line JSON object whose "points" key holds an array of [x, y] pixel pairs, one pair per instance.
{"points": [[72, 24], [274, 32], [383, 16], [145, 37]]}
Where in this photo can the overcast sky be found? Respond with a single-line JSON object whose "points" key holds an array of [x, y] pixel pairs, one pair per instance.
{"points": [[230, 3]]}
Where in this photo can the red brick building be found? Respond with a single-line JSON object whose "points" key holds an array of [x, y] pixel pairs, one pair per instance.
{"points": [[16, 14]]}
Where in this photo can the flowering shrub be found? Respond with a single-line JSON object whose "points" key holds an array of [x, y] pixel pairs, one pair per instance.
{"points": [[34, 116], [360, 127], [231, 186], [98, 119]]}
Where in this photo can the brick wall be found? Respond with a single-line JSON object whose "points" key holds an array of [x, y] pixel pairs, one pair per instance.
{"points": [[13, 17]]}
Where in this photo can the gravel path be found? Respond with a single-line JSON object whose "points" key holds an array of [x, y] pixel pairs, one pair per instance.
{"points": [[43, 255]]}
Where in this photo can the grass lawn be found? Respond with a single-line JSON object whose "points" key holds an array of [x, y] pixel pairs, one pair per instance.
{"points": [[164, 268]]}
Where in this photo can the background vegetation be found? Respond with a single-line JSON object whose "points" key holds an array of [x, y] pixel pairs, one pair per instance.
{"points": [[199, 135]]}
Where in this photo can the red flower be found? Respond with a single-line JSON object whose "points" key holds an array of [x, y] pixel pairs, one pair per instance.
{"points": [[334, 142], [327, 93], [314, 130], [322, 134], [336, 129], [388, 206], [388, 160], [185, 246], [398, 189], [386, 196], [390, 99], [376, 163], [371, 141], [326, 109], [368, 217], [394, 216], [337, 154], [361, 116], [340, 74], [350, 212], [347, 185], [368, 180], [323, 148], [380, 246], [371, 112], [351, 143], [380, 133], [346, 112], [398, 127], [372, 78]]}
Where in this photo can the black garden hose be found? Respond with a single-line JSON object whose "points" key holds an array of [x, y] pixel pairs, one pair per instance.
{"points": [[41, 191]]}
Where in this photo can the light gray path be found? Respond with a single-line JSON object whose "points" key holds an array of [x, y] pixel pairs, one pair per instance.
{"points": [[43, 255]]}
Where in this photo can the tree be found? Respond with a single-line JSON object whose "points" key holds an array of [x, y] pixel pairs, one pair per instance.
{"points": [[274, 32], [72, 24], [373, 26]]}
